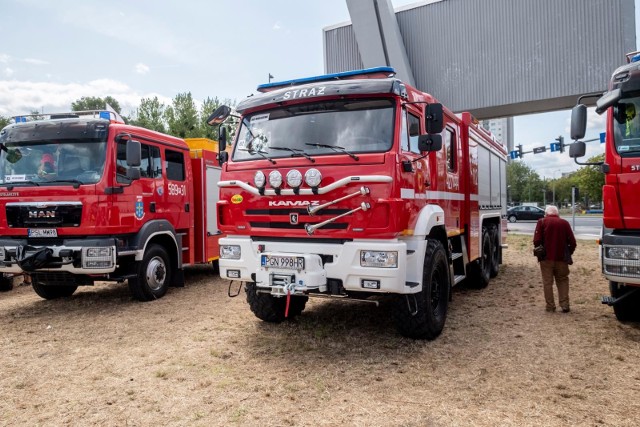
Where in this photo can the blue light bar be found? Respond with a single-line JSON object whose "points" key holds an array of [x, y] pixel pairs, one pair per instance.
{"points": [[636, 58], [105, 115], [334, 76]]}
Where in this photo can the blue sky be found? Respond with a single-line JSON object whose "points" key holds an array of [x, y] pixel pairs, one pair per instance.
{"points": [[56, 52]]}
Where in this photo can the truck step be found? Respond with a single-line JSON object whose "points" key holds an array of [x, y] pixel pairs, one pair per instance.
{"points": [[458, 279], [609, 300], [456, 255]]}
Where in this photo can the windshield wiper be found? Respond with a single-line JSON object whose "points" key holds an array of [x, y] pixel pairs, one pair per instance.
{"points": [[10, 185], [335, 148], [296, 152], [261, 153], [76, 183]]}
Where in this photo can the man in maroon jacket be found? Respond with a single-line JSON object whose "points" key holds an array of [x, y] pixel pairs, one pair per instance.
{"points": [[559, 242]]}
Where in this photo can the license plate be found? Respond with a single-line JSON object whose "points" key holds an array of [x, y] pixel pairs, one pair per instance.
{"points": [[284, 262], [43, 232]]}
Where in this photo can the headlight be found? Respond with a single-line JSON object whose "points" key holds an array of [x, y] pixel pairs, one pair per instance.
{"points": [[313, 177], [628, 253], [98, 252], [294, 178], [259, 179], [382, 259], [230, 252], [275, 179], [2, 255]]}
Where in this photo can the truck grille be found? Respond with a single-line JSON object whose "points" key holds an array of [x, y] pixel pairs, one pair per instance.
{"points": [[281, 219], [25, 215]]}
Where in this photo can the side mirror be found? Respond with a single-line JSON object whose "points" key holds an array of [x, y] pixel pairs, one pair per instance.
{"points": [[430, 142], [222, 139], [434, 119], [134, 153], [133, 174], [223, 157], [577, 149], [578, 121], [219, 115]]}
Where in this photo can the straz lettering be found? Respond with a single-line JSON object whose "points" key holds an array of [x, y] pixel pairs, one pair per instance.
{"points": [[302, 93], [292, 203], [453, 182], [635, 168]]}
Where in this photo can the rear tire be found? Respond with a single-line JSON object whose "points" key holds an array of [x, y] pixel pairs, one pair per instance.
{"points": [[512, 218], [480, 269], [494, 236], [6, 283], [629, 308], [272, 309], [423, 315], [52, 292], [153, 275]]}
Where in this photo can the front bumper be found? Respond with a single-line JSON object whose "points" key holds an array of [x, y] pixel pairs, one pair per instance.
{"points": [[75, 256], [324, 263], [617, 268]]}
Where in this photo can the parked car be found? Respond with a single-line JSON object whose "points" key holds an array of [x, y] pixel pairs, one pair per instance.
{"points": [[524, 213]]}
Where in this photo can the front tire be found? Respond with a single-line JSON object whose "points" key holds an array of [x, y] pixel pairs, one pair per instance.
{"points": [[423, 315], [272, 309], [52, 292], [512, 218], [153, 274], [629, 308]]}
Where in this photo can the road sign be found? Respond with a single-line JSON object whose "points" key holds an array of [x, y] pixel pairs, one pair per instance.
{"points": [[538, 150], [602, 136], [555, 146], [513, 154]]}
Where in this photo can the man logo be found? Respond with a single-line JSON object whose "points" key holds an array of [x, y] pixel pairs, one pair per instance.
{"points": [[293, 218]]}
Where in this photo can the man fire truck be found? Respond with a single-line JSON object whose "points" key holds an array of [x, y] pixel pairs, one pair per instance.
{"points": [[620, 250], [354, 185], [88, 198]]}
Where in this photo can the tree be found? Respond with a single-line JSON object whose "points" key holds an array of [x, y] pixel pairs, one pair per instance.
{"points": [[150, 115], [182, 117], [4, 121], [524, 183], [95, 103], [208, 106], [590, 180]]}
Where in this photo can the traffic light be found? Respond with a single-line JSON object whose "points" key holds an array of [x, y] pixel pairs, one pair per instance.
{"points": [[520, 150], [560, 140]]}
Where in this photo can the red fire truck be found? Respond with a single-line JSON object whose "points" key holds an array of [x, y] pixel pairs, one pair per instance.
{"points": [[354, 185], [88, 198], [620, 243]]}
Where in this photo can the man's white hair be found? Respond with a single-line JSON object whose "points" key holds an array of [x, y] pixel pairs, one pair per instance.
{"points": [[551, 210]]}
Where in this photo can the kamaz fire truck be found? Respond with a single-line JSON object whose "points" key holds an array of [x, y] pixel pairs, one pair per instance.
{"points": [[85, 198], [620, 243], [355, 185]]}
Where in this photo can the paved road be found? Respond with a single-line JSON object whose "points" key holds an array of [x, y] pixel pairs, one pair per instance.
{"points": [[586, 226]]}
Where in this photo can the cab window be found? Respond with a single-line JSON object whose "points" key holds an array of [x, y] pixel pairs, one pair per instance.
{"points": [[450, 145], [174, 161]]}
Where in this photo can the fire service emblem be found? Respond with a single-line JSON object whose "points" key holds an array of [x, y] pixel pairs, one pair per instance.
{"points": [[293, 218]]}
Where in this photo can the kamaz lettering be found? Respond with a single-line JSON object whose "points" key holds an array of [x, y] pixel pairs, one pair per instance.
{"points": [[292, 203]]}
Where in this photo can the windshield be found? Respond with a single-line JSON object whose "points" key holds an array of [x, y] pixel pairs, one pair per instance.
{"points": [[52, 162], [308, 130], [626, 126]]}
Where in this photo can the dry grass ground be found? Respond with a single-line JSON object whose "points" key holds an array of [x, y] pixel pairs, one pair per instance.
{"points": [[198, 357]]}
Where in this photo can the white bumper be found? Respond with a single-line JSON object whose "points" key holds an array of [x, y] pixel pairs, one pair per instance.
{"points": [[342, 263]]}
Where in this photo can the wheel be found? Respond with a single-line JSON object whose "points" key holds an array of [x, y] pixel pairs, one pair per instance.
{"points": [[512, 218], [153, 274], [423, 315], [494, 236], [6, 283], [52, 292], [629, 308], [480, 270]]}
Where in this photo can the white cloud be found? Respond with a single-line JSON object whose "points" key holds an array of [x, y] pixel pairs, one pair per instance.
{"points": [[34, 61], [8, 72], [22, 97], [277, 26], [141, 68], [4, 58]]}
